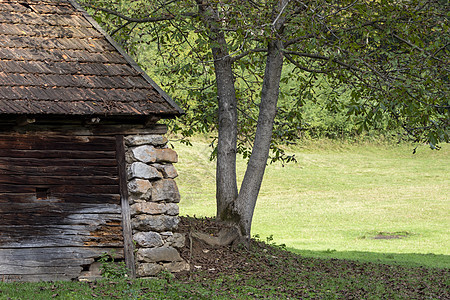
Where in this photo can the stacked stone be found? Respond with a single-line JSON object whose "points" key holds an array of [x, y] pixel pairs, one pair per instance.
{"points": [[153, 197]]}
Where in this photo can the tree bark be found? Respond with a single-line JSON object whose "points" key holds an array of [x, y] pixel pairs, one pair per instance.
{"points": [[226, 183], [231, 205], [248, 194]]}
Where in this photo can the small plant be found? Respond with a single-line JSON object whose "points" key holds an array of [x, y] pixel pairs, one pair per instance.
{"points": [[166, 275], [270, 241], [110, 268]]}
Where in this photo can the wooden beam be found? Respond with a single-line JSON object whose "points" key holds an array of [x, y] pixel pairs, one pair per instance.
{"points": [[128, 246], [78, 198], [57, 180], [48, 263], [44, 162], [52, 170], [60, 189], [93, 130]]}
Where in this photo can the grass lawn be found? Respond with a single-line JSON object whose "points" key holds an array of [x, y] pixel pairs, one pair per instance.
{"points": [[259, 272], [371, 203], [366, 201]]}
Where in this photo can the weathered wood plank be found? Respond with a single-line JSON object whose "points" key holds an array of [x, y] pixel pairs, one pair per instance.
{"points": [[58, 207], [58, 180], [55, 263], [53, 218], [45, 255], [32, 230], [94, 130], [60, 262], [91, 189], [61, 198], [36, 277], [71, 154], [58, 170], [44, 141], [53, 237], [126, 215], [20, 197], [39, 236], [66, 241], [54, 226], [19, 270], [34, 162]]}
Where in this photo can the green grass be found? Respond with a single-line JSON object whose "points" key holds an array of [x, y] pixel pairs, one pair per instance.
{"points": [[330, 205], [339, 196], [104, 289], [403, 259], [264, 272]]}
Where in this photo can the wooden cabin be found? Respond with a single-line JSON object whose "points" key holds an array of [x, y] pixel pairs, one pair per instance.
{"points": [[68, 97]]}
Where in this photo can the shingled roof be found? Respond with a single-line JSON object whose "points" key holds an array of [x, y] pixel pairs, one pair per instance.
{"points": [[56, 60]]}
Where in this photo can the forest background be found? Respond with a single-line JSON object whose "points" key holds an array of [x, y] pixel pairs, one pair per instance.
{"points": [[395, 90]]}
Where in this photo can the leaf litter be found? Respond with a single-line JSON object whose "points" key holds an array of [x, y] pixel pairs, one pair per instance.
{"points": [[270, 271]]}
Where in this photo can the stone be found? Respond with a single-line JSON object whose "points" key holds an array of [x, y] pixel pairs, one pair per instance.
{"points": [[148, 239], [172, 209], [168, 170], [158, 223], [129, 157], [161, 254], [138, 140], [135, 198], [148, 269], [176, 267], [144, 171], [153, 208], [139, 186], [145, 153], [165, 190], [177, 240], [166, 155]]}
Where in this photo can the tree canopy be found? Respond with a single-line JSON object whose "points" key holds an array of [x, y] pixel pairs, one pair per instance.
{"points": [[246, 68]]}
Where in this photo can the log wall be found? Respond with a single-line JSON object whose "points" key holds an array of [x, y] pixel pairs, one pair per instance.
{"points": [[59, 204]]}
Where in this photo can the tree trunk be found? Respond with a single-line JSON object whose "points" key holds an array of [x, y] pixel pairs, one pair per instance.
{"points": [[231, 206], [226, 183], [246, 201]]}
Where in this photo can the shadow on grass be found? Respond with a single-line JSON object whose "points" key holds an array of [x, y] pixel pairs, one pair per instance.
{"points": [[405, 259]]}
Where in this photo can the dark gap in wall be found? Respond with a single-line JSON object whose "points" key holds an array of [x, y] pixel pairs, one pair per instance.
{"points": [[42, 193]]}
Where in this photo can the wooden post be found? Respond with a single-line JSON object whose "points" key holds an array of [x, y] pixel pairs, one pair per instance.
{"points": [[128, 246]]}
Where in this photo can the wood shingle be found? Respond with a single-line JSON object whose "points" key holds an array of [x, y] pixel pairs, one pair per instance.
{"points": [[55, 60]]}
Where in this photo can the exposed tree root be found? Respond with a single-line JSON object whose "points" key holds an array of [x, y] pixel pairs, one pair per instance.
{"points": [[226, 236]]}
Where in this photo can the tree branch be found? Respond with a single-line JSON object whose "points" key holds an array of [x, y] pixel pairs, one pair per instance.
{"points": [[120, 27], [295, 63], [334, 32], [274, 23], [137, 20], [243, 54], [321, 57]]}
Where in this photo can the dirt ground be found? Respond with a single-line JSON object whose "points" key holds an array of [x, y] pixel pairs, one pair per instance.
{"points": [[283, 273], [210, 260]]}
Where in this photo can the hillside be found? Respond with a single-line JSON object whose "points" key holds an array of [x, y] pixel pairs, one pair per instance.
{"points": [[269, 271]]}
